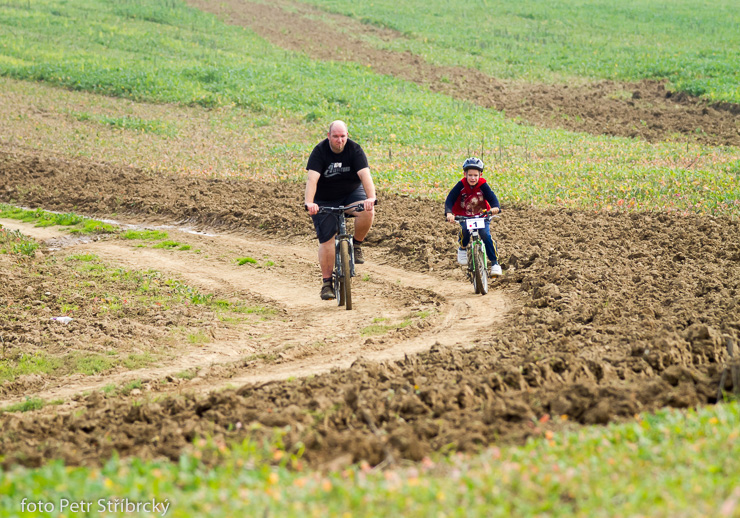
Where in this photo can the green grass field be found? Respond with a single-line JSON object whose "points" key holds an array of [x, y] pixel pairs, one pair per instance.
{"points": [[692, 44], [167, 53]]}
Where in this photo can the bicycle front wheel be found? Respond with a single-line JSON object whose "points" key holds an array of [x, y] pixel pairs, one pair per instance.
{"points": [[346, 276], [338, 287], [480, 276]]}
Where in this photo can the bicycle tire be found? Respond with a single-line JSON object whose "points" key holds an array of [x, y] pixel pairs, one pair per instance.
{"points": [[473, 268], [480, 276], [338, 288], [483, 267], [346, 277]]}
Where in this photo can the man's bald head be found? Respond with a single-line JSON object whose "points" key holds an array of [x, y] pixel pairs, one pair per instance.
{"points": [[339, 125], [337, 136]]}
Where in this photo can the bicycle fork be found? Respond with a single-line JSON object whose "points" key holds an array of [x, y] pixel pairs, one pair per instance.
{"points": [[337, 260], [471, 254], [475, 242]]}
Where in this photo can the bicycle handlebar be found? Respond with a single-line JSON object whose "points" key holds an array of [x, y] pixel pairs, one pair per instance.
{"points": [[487, 216], [341, 208]]}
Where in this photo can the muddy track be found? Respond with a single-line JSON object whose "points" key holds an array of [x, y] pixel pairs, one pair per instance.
{"points": [[611, 314], [310, 336], [644, 109]]}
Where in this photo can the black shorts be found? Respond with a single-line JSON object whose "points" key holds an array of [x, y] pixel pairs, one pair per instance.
{"points": [[327, 225]]}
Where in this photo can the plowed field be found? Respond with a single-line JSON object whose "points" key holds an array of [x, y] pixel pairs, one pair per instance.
{"points": [[599, 315]]}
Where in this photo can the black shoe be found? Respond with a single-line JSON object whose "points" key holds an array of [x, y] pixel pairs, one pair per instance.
{"points": [[327, 291], [359, 259]]}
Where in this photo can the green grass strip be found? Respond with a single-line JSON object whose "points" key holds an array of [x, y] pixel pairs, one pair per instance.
{"points": [[25, 406], [43, 218], [77, 362], [668, 464], [126, 122], [146, 235], [168, 245]]}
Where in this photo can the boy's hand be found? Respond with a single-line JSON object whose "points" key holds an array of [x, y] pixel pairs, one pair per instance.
{"points": [[495, 210], [450, 217]]}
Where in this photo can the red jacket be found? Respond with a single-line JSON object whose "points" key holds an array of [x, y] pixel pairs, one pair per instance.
{"points": [[471, 200]]}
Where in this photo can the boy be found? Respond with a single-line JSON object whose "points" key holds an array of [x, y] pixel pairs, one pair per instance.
{"points": [[469, 197]]}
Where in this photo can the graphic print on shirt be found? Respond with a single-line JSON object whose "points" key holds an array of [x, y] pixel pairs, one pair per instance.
{"points": [[473, 204], [335, 169]]}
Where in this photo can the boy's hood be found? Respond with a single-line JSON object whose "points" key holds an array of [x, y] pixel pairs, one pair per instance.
{"points": [[481, 181]]}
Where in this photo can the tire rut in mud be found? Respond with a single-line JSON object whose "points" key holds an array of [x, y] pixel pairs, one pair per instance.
{"points": [[299, 337], [617, 313]]}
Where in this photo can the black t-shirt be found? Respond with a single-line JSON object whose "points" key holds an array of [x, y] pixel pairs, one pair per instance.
{"points": [[338, 171]]}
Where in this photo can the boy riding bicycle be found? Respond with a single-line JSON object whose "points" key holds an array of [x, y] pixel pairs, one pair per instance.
{"points": [[469, 197]]}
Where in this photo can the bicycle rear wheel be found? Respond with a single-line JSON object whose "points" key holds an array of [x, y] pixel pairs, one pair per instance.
{"points": [[346, 277], [480, 275]]}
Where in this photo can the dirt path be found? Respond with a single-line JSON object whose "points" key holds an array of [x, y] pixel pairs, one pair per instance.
{"points": [[642, 109], [315, 336]]}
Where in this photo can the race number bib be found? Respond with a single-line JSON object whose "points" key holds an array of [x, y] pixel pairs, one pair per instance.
{"points": [[476, 223]]}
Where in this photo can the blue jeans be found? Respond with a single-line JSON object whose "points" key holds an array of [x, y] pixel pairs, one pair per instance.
{"points": [[485, 234]]}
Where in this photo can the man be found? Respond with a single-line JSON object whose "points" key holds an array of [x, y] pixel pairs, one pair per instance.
{"points": [[338, 174]]}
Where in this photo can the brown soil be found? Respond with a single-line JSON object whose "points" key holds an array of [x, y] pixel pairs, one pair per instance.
{"points": [[599, 316], [644, 109]]}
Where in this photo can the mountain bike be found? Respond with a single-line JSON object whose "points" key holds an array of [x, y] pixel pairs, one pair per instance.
{"points": [[477, 271], [344, 260]]}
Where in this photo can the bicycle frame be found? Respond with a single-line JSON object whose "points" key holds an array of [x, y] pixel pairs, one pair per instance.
{"points": [[344, 258], [477, 242], [342, 235], [477, 271]]}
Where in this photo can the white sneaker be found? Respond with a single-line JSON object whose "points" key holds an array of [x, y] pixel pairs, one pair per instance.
{"points": [[462, 256], [496, 270]]}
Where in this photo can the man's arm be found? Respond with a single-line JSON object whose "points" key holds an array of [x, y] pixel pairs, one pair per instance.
{"points": [[367, 184], [311, 183]]}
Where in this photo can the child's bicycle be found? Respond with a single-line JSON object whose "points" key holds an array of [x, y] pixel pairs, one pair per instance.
{"points": [[344, 260], [477, 271]]}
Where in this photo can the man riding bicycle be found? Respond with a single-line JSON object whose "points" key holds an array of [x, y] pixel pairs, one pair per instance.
{"points": [[338, 175], [469, 197]]}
